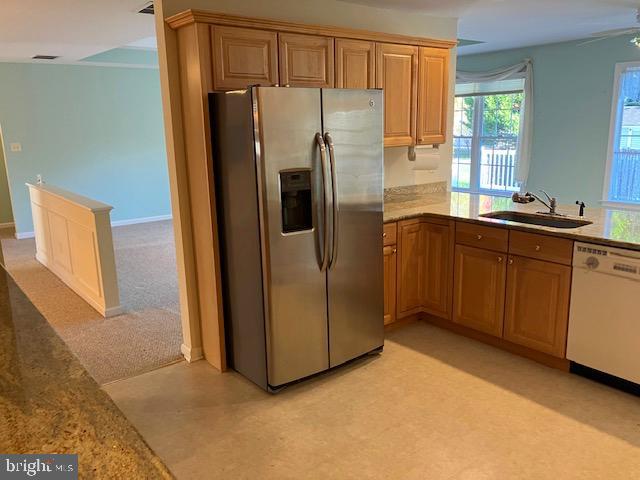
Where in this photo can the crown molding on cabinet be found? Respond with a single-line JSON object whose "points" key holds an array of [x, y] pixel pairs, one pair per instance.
{"points": [[201, 16]]}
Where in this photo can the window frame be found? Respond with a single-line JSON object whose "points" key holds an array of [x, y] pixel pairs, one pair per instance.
{"points": [[474, 178], [614, 127]]}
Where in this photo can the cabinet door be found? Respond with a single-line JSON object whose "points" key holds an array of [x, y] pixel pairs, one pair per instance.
{"points": [[243, 57], [306, 60], [397, 74], [479, 289], [355, 64], [433, 89], [537, 307], [389, 284], [411, 268], [437, 264]]}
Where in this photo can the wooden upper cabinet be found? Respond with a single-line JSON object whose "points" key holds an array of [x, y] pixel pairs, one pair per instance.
{"points": [[537, 308], [389, 255], [355, 64], [433, 86], [437, 277], [243, 57], [306, 60], [479, 289], [397, 74]]}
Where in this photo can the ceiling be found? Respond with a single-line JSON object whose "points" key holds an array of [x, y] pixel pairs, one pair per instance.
{"points": [[76, 29], [73, 29], [502, 24]]}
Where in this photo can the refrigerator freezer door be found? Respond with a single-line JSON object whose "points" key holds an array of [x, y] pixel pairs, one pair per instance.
{"points": [[353, 125], [288, 161]]}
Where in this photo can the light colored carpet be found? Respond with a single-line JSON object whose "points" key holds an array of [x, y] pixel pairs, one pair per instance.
{"points": [[148, 335]]}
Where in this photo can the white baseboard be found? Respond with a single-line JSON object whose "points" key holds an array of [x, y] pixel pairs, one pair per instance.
{"points": [[191, 354], [7, 225], [116, 223], [133, 221]]}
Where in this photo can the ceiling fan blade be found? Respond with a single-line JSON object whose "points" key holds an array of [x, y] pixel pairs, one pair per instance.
{"points": [[610, 34], [593, 40], [615, 32]]}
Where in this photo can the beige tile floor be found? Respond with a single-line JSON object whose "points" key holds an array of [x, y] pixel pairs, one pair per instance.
{"points": [[433, 406]]}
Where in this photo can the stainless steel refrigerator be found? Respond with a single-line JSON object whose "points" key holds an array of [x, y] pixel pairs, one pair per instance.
{"points": [[299, 194]]}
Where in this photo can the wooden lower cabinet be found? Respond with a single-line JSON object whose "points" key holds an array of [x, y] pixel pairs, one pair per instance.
{"points": [[436, 293], [516, 301], [537, 304], [411, 269], [424, 268], [479, 289], [389, 256]]}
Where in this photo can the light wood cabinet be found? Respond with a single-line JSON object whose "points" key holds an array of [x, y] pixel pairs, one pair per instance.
{"points": [[433, 87], [424, 268], [414, 78], [541, 247], [389, 255], [411, 267], [397, 74], [479, 289], [306, 60], [243, 57], [537, 304], [355, 64], [437, 264]]}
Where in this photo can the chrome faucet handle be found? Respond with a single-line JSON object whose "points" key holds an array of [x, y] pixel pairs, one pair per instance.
{"points": [[549, 197], [553, 202]]}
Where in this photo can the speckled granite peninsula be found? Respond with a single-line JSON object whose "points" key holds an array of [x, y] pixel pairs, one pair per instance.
{"points": [[617, 228], [50, 404]]}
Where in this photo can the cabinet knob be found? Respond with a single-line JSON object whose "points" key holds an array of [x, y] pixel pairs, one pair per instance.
{"points": [[511, 261], [276, 84], [384, 234], [537, 248], [499, 259], [479, 237], [394, 250], [287, 85]]}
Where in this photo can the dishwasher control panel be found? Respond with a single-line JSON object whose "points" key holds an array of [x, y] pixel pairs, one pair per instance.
{"points": [[609, 260]]}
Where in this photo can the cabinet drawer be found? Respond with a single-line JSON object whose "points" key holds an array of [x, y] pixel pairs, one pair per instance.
{"points": [[541, 247], [389, 234], [489, 238]]}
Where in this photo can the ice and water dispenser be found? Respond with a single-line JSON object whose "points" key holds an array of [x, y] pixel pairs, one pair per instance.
{"points": [[295, 200]]}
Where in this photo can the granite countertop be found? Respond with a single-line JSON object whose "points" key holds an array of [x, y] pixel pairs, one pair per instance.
{"points": [[50, 404], [617, 228]]}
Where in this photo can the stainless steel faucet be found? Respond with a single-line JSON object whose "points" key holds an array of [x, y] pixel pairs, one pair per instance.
{"points": [[530, 197]]}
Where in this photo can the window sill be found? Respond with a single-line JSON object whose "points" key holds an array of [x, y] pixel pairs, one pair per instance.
{"points": [[620, 205], [493, 193]]}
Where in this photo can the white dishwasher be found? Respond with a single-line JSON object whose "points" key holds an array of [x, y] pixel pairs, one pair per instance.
{"points": [[604, 320]]}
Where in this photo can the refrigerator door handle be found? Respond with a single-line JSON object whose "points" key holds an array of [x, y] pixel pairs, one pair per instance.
{"points": [[325, 206], [334, 193]]}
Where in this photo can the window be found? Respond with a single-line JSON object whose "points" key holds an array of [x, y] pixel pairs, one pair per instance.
{"points": [[622, 183], [486, 134]]}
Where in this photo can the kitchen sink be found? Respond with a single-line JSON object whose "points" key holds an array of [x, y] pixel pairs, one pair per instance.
{"points": [[556, 221]]}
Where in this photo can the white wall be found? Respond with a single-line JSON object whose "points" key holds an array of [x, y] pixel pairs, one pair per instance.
{"points": [[398, 170]]}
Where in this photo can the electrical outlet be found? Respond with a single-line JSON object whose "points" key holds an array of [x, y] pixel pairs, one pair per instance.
{"points": [[16, 147], [39, 179]]}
